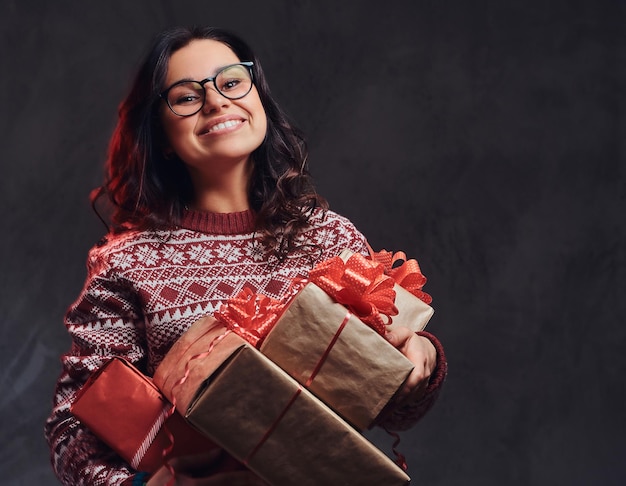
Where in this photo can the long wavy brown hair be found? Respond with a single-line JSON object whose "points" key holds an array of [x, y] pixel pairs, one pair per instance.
{"points": [[148, 191]]}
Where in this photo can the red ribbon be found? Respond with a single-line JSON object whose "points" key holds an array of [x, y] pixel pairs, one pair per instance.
{"points": [[182, 380], [251, 316], [307, 384], [404, 272], [361, 285], [400, 458], [270, 430], [253, 328]]}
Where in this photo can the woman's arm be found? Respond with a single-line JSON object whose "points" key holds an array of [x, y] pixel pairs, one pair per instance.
{"points": [[105, 321]]}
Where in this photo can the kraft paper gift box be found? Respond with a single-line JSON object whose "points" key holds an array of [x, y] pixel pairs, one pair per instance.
{"points": [[127, 411], [359, 370], [344, 362], [260, 415]]}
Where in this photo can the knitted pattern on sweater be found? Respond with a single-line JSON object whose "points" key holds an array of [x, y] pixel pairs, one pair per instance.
{"points": [[145, 289]]}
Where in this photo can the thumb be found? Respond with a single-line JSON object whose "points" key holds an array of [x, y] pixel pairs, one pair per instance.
{"points": [[391, 337]]}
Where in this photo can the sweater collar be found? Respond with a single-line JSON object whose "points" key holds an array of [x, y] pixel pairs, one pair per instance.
{"points": [[219, 223]]}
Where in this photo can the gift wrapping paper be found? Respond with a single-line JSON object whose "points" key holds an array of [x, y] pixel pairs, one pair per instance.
{"points": [[123, 408], [259, 414], [341, 360]]}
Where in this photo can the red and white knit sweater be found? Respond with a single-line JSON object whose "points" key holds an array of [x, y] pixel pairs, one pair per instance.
{"points": [[144, 289]]}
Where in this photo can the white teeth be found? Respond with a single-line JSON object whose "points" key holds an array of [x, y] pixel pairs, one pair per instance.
{"points": [[226, 124]]}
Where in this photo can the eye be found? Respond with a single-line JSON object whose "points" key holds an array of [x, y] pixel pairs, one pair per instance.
{"points": [[186, 99], [229, 84], [234, 80], [185, 94]]}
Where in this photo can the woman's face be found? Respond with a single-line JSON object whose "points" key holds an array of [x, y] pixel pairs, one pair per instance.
{"points": [[199, 140]]}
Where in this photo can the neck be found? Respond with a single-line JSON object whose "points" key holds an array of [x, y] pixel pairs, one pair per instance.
{"points": [[223, 192]]}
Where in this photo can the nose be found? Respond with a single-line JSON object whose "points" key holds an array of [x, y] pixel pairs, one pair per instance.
{"points": [[213, 100]]}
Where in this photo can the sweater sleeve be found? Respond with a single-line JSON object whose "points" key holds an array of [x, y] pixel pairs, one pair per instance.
{"points": [[105, 321], [402, 417]]}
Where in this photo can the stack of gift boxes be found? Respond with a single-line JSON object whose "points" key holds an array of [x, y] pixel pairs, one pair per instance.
{"points": [[287, 387]]}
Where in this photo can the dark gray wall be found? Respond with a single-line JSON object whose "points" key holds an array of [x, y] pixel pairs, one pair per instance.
{"points": [[485, 138]]}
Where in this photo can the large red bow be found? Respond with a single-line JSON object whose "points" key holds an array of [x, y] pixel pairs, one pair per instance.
{"points": [[361, 285], [252, 316], [405, 272]]}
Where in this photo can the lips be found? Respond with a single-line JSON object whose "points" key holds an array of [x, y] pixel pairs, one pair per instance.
{"points": [[221, 124]]}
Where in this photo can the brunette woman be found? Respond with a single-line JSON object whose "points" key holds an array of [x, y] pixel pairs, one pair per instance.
{"points": [[210, 192]]}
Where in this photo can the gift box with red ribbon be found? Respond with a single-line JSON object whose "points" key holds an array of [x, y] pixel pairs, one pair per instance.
{"points": [[411, 301], [328, 337], [259, 414], [127, 411], [341, 360]]}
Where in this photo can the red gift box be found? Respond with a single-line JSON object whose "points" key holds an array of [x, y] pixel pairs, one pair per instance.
{"points": [[127, 411]]}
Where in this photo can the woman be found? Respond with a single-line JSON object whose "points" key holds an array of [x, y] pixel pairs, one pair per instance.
{"points": [[210, 192]]}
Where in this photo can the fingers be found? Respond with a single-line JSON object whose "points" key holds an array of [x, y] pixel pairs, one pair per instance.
{"points": [[421, 352], [399, 336], [185, 468]]}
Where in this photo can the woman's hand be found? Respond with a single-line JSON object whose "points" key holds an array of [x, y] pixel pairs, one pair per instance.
{"points": [[421, 352], [189, 471]]}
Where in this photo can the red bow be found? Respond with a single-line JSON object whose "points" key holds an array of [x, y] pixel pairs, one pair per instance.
{"points": [[361, 285], [407, 274], [251, 316]]}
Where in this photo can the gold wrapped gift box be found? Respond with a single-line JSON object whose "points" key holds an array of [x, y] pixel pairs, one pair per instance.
{"points": [[338, 357], [254, 410], [359, 371]]}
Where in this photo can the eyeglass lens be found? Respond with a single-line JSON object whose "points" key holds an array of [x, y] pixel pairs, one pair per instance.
{"points": [[187, 98]]}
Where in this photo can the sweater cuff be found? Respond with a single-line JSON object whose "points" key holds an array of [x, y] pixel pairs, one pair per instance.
{"points": [[401, 416], [441, 366], [137, 479]]}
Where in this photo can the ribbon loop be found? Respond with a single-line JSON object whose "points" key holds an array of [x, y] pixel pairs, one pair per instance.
{"points": [[361, 285], [404, 272], [250, 315]]}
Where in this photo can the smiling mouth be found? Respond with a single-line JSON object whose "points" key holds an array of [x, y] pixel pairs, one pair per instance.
{"points": [[224, 126]]}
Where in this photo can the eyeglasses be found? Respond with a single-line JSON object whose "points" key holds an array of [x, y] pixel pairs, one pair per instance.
{"points": [[186, 98]]}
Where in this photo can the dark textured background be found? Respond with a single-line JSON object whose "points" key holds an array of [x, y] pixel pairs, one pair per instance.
{"points": [[485, 138]]}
